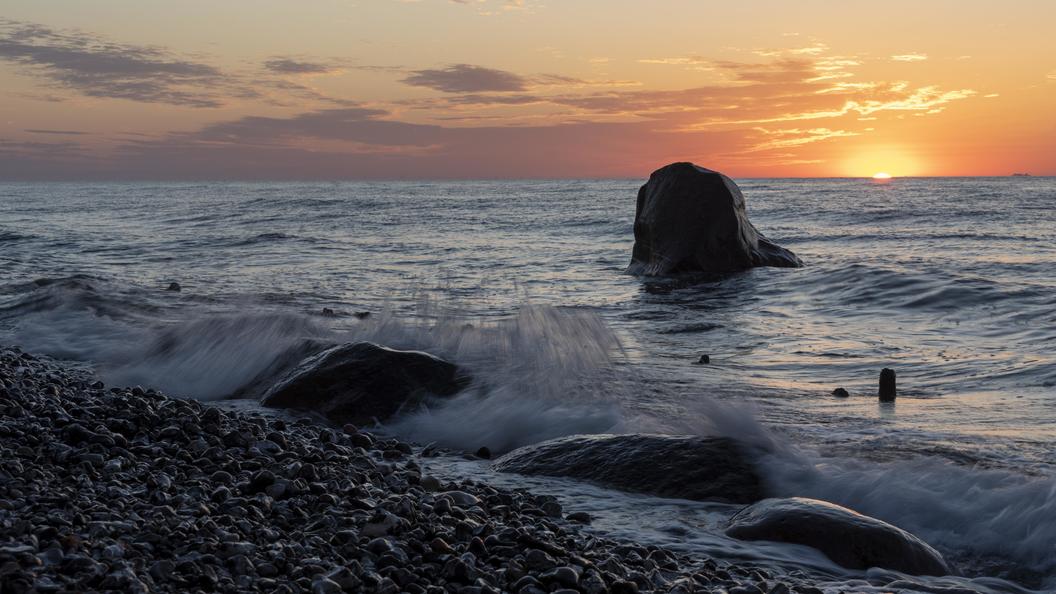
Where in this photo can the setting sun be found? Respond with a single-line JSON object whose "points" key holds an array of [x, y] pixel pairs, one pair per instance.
{"points": [[882, 175]]}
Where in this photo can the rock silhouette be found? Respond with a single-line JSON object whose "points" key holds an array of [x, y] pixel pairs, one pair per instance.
{"points": [[690, 219]]}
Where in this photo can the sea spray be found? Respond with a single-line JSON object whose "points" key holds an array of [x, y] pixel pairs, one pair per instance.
{"points": [[545, 372]]}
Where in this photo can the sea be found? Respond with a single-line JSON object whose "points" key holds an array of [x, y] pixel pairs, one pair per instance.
{"points": [[951, 282]]}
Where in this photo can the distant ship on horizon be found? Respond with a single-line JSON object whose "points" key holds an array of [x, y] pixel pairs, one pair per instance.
{"points": [[1020, 175]]}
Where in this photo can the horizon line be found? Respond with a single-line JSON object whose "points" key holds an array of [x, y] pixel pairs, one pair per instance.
{"points": [[469, 179]]}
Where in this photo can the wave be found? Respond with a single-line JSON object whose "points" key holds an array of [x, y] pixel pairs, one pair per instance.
{"points": [[886, 287]]}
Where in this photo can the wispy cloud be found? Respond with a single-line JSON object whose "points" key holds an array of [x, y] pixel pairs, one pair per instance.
{"points": [[280, 65], [925, 100], [60, 132], [97, 67], [678, 61], [910, 57], [467, 78], [796, 137]]}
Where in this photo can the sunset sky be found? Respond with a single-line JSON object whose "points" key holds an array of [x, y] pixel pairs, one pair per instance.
{"points": [[325, 89]]}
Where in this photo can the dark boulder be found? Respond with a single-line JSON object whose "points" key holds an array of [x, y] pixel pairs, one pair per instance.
{"points": [[684, 467], [364, 382], [850, 539], [690, 219]]}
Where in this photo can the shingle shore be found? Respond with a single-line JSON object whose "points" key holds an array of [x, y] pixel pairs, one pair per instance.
{"points": [[126, 489]]}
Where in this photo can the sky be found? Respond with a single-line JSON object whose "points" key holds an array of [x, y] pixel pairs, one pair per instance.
{"points": [[456, 89]]}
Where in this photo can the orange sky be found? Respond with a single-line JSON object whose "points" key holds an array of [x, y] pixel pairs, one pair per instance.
{"points": [[269, 89]]}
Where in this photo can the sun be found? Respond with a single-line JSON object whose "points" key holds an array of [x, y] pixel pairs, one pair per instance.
{"points": [[881, 176]]}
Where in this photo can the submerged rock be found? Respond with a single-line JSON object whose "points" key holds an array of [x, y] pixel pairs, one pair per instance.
{"points": [[850, 539], [684, 467], [691, 219], [363, 382]]}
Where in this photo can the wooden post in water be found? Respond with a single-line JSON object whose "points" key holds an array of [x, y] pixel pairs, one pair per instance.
{"points": [[887, 385]]}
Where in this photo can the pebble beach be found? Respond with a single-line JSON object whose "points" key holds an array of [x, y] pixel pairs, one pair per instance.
{"points": [[125, 489]]}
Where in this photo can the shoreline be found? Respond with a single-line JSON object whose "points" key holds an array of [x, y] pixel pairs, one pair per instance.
{"points": [[128, 489]]}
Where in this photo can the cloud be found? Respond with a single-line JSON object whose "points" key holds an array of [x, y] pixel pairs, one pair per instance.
{"points": [[361, 142], [466, 78], [910, 57], [796, 137], [280, 65], [97, 67], [495, 123], [923, 101], [63, 132], [681, 61], [777, 71]]}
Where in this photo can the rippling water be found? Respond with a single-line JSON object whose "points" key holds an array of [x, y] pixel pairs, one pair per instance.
{"points": [[949, 281]]}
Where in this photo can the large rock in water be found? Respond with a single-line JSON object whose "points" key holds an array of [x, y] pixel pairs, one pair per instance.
{"points": [[363, 382], [684, 467], [691, 219], [847, 537]]}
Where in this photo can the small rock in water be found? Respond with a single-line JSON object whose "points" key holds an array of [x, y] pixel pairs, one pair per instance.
{"points": [[887, 385], [840, 393], [580, 517], [484, 453], [704, 360], [329, 313], [361, 315], [174, 287]]}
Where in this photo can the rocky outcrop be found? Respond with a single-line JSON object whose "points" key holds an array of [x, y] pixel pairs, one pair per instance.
{"points": [[684, 467], [691, 219], [364, 382], [850, 539]]}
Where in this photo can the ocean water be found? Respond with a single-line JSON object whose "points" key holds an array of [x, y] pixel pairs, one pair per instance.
{"points": [[950, 282]]}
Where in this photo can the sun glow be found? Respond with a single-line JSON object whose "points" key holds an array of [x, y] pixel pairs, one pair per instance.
{"points": [[882, 176]]}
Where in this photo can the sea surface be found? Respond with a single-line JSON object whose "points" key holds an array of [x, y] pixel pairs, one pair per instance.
{"points": [[950, 282]]}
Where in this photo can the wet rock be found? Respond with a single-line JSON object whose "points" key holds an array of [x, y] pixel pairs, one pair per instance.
{"points": [[579, 517], [461, 498], [699, 468], [691, 219], [850, 539], [175, 287], [364, 382], [840, 393]]}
